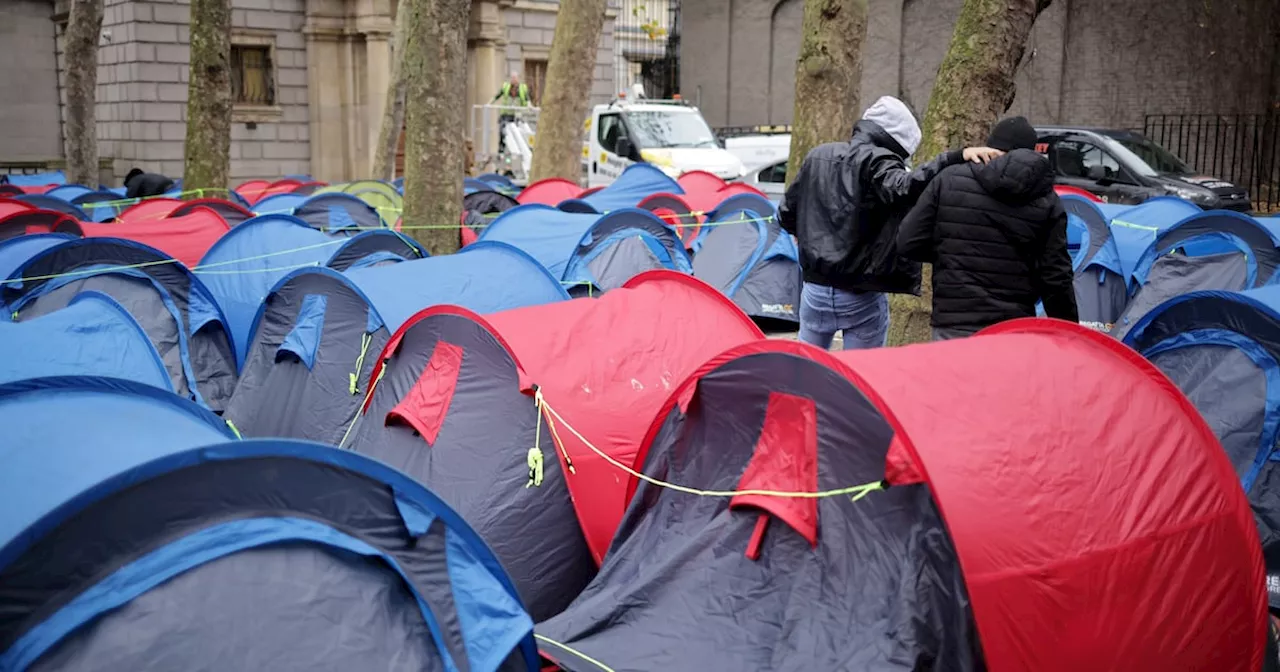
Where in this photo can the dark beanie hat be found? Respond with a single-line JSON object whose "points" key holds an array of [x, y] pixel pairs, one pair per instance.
{"points": [[132, 174], [1012, 133]]}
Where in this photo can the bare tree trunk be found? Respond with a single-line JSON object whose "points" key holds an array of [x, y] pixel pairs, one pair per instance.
{"points": [[828, 76], [384, 160], [83, 27], [208, 145], [567, 91], [435, 69], [975, 85]]}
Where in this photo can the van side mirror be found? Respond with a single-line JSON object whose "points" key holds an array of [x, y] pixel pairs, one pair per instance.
{"points": [[625, 148], [1097, 173]]}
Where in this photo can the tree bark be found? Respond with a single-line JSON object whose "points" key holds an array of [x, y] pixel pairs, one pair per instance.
{"points": [[384, 160], [828, 76], [83, 27], [568, 88], [975, 85], [435, 69], [208, 143]]}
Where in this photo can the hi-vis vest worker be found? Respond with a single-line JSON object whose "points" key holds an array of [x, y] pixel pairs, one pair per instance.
{"points": [[521, 93]]}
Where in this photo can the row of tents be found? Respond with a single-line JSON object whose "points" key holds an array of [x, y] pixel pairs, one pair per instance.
{"points": [[777, 507], [639, 473]]}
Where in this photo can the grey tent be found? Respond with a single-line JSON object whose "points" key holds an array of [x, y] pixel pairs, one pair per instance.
{"points": [[754, 262], [453, 407], [1100, 287], [174, 308], [139, 539], [1222, 349], [318, 333], [1212, 250]]}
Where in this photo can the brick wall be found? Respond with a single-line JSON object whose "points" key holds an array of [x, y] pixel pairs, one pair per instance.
{"points": [[530, 27], [29, 126], [1098, 62], [142, 88]]}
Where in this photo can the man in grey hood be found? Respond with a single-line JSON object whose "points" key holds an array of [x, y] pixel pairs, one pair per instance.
{"points": [[844, 207]]}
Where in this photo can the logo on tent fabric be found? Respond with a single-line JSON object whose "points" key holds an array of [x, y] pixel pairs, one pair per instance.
{"points": [[1273, 584], [778, 308], [1104, 327]]}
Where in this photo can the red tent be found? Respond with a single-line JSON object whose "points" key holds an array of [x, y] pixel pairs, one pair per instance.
{"points": [[253, 190], [186, 238], [1096, 520], [551, 191], [605, 364], [700, 180], [149, 210], [9, 206], [673, 210], [233, 213], [36, 220]]}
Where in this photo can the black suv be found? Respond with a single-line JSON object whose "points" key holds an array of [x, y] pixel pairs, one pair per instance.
{"points": [[1127, 167]]}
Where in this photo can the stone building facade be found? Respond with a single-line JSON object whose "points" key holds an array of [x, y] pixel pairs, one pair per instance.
{"points": [[310, 98], [1098, 62]]}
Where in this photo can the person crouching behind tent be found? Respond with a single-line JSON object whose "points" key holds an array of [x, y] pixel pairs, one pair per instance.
{"points": [[996, 235], [844, 207], [139, 184]]}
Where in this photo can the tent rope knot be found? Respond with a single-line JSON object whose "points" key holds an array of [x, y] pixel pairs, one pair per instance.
{"points": [[540, 403], [354, 378]]}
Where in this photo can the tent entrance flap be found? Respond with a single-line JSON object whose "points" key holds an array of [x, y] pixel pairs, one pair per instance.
{"points": [[785, 461], [304, 339], [425, 406]]}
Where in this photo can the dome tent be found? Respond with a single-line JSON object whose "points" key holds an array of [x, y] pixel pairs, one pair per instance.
{"points": [[1222, 349], [254, 555], [175, 309], [755, 263], [318, 332], [453, 407], [591, 253], [1037, 515], [242, 267], [92, 336], [1215, 250]]}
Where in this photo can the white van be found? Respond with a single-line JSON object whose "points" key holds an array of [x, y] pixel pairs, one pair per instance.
{"points": [[671, 135], [757, 150]]}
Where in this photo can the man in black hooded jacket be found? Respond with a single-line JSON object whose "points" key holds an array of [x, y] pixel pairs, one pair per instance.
{"points": [[138, 184], [844, 206], [996, 235]]}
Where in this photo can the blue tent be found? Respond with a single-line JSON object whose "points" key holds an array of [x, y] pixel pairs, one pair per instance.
{"points": [[45, 202], [65, 434], [69, 192], [36, 179], [242, 267], [279, 204], [335, 212], [319, 332], [470, 184], [112, 204], [731, 209], [591, 252], [1223, 350], [755, 263], [175, 309], [1211, 250], [1135, 228], [637, 182], [93, 336], [1100, 280], [15, 252], [251, 555]]}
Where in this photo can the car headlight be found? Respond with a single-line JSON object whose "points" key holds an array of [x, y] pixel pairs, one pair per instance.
{"points": [[1197, 196]]}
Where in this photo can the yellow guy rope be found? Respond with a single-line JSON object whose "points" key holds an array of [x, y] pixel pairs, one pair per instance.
{"points": [[854, 492]]}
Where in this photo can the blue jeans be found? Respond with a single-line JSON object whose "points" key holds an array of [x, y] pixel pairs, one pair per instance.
{"points": [[862, 316]]}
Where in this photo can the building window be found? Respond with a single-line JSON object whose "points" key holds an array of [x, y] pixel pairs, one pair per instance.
{"points": [[252, 75], [535, 75]]}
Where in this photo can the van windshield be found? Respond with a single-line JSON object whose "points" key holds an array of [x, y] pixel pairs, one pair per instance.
{"points": [[662, 130]]}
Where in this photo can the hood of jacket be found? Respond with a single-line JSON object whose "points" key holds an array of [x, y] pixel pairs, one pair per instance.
{"points": [[871, 133], [895, 118], [1017, 177]]}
